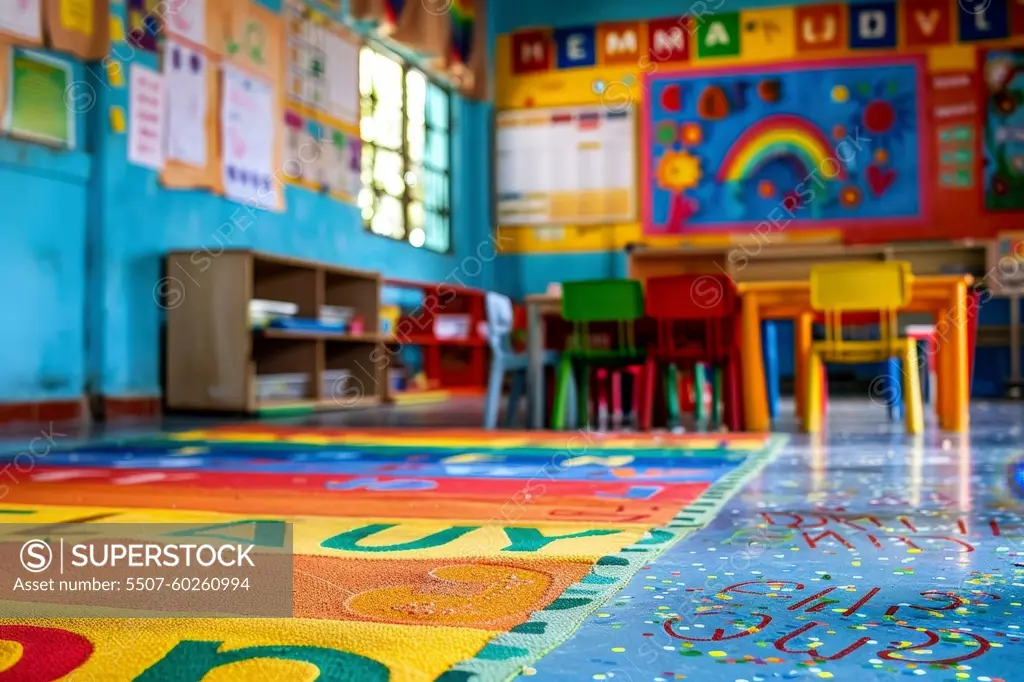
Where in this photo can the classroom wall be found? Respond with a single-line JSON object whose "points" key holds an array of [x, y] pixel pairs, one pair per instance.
{"points": [[44, 195], [954, 211], [63, 209]]}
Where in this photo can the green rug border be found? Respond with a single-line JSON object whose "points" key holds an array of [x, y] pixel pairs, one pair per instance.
{"points": [[505, 657]]}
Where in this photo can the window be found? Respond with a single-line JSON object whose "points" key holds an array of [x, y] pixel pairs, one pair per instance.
{"points": [[406, 129]]}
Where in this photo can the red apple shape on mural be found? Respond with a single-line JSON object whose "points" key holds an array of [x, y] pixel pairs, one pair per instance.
{"points": [[671, 98]]}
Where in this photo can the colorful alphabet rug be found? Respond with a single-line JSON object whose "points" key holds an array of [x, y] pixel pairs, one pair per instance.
{"points": [[461, 556]]}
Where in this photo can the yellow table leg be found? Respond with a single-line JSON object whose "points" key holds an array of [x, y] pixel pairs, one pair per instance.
{"points": [[755, 399], [811, 416], [803, 327], [959, 389]]}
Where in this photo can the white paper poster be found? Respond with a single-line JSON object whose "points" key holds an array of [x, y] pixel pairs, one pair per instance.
{"points": [[146, 122], [247, 119], [185, 81], [187, 19], [22, 18], [342, 70]]}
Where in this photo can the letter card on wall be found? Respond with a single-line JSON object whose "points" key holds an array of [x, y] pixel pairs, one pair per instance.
{"points": [[571, 165], [822, 144]]}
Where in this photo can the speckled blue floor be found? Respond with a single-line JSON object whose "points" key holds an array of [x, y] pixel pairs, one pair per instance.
{"points": [[863, 555]]}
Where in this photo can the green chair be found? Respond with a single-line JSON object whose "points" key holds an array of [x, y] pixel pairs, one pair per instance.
{"points": [[619, 301]]}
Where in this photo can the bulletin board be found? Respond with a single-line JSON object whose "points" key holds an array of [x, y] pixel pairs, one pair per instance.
{"points": [[830, 142], [78, 27], [572, 164], [1003, 73], [323, 148]]}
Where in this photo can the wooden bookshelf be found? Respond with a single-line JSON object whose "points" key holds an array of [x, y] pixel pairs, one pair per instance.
{"points": [[214, 355]]}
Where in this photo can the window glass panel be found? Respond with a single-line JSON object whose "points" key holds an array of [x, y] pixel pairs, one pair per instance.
{"points": [[437, 107], [437, 148], [406, 156], [416, 92], [387, 172], [417, 215], [388, 219], [415, 138]]}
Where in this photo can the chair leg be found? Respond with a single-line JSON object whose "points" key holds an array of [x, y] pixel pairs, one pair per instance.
{"points": [[562, 379], [732, 395], [769, 333], [824, 389], [912, 390], [583, 397], [672, 395], [813, 393], [515, 397], [493, 402], [644, 389], [686, 402], [716, 396], [700, 382], [603, 411], [894, 389], [616, 400]]}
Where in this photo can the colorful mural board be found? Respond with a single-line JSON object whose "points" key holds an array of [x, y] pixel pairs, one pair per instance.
{"points": [[486, 549], [612, 60], [1004, 130], [837, 142]]}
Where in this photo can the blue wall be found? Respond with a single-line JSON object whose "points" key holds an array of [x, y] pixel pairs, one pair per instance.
{"points": [[98, 329], [44, 194]]}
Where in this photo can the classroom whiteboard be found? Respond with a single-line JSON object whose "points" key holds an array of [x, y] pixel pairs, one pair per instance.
{"points": [[572, 165]]}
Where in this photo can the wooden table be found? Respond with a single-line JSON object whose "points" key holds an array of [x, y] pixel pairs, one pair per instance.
{"points": [[537, 307], [945, 296]]}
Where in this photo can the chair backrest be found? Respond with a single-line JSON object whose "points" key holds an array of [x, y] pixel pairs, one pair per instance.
{"points": [[860, 286], [602, 300], [691, 297], [499, 322]]}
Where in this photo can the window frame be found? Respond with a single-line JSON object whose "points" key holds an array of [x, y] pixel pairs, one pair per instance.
{"points": [[407, 164]]}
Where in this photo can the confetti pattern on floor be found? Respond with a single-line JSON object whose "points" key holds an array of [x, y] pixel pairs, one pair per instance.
{"points": [[861, 558], [457, 556]]}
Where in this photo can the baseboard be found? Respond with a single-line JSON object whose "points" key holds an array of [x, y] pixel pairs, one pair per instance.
{"points": [[74, 410], [109, 408]]}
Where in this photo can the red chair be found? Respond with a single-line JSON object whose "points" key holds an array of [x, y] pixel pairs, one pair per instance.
{"points": [[698, 321]]}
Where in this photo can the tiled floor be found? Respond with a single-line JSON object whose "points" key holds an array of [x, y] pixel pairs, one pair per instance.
{"points": [[862, 555]]}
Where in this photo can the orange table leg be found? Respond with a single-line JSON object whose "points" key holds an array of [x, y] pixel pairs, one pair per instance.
{"points": [[755, 399], [959, 389], [802, 337]]}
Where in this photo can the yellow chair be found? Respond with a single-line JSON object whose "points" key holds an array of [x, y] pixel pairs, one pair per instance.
{"points": [[870, 287]]}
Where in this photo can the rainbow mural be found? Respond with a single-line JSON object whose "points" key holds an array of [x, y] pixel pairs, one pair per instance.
{"points": [[837, 142], [463, 19], [785, 137]]}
